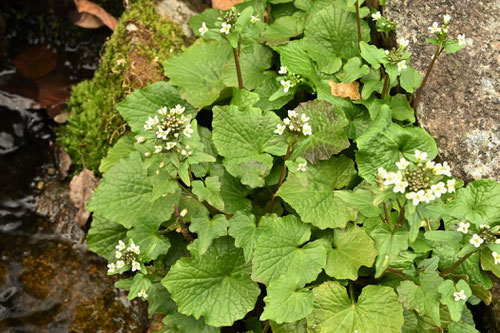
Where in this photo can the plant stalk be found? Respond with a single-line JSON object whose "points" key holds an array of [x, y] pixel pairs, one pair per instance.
{"points": [[387, 219], [238, 67], [386, 89], [429, 69], [282, 176], [457, 263], [266, 327], [184, 230], [358, 22], [351, 292]]}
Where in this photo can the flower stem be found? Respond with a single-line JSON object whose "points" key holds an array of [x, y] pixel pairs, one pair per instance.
{"points": [[429, 69], [457, 263], [236, 54], [266, 327], [358, 22], [282, 176], [387, 219], [351, 292], [184, 230], [386, 89]]}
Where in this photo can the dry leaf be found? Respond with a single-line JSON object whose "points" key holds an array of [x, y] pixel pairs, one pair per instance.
{"points": [[350, 90], [91, 15], [36, 61], [224, 4], [62, 118], [81, 189], [64, 162]]}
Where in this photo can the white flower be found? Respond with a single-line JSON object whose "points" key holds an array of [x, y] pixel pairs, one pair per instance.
{"points": [[158, 149], [140, 139], [386, 52], [142, 293], [461, 39], [429, 165], [416, 197], [136, 266], [400, 186], [111, 267], [292, 114], [497, 241], [120, 246], [496, 257], [376, 16], [302, 167], [476, 240], [402, 65], [286, 121], [446, 170], [422, 157], [446, 19], [162, 134], [429, 196], [179, 109], [392, 178], [147, 154], [403, 42], [188, 131], [463, 227], [183, 152], [484, 226], [254, 19], [306, 129], [118, 254], [203, 29], [171, 145], [163, 111], [120, 264], [280, 129], [434, 28], [445, 30], [286, 85], [283, 70], [438, 189], [459, 295], [402, 164], [134, 248], [183, 212], [304, 118], [382, 173], [226, 28]]}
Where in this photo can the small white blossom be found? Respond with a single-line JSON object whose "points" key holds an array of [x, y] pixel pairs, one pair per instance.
{"points": [[496, 257], [158, 149], [429, 196], [445, 29], [461, 39], [163, 111], [304, 118], [393, 177], [226, 28], [280, 129], [416, 197], [292, 114], [286, 85], [283, 70], [446, 19], [459, 295], [134, 248], [438, 189], [136, 266], [434, 28], [188, 131], [147, 154], [400, 186], [376, 16], [140, 139], [120, 264], [402, 164], [429, 165], [302, 167], [476, 240], [142, 294], [162, 134], [179, 109], [306, 129], [254, 19], [171, 145], [382, 173], [118, 254], [403, 42], [183, 152], [446, 170], [121, 246], [463, 227], [203, 29], [386, 52], [497, 241], [183, 212], [402, 65], [422, 157], [111, 267], [286, 121]]}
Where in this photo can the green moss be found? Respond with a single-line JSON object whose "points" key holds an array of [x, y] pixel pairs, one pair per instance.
{"points": [[131, 60]]}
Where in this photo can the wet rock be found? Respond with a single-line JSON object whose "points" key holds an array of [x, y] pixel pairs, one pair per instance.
{"points": [[461, 102], [181, 11]]}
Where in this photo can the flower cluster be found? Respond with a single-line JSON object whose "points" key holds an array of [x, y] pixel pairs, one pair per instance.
{"points": [[289, 80], [168, 127], [296, 123], [422, 181], [441, 31], [126, 256], [229, 19], [486, 234], [383, 24], [398, 55]]}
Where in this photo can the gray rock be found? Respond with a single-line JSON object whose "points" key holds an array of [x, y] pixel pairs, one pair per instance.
{"points": [[460, 106]]}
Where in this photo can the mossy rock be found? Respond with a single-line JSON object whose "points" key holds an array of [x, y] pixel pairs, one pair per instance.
{"points": [[131, 60]]}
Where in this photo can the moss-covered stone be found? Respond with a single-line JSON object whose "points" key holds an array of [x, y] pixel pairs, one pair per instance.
{"points": [[131, 60]]}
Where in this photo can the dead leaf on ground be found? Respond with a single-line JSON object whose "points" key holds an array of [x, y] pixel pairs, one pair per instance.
{"points": [[36, 61], [64, 162], [62, 118], [81, 189], [91, 15], [224, 4], [349, 90]]}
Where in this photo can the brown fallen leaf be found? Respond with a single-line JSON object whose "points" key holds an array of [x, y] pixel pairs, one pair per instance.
{"points": [[62, 118], [349, 90], [224, 4], [36, 61], [91, 15], [64, 162], [81, 189]]}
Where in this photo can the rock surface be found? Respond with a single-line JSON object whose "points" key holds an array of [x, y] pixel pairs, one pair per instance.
{"points": [[461, 102]]}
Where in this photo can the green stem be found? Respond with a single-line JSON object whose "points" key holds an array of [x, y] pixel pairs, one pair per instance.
{"points": [[458, 263], [401, 218], [184, 230], [358, 22], [386, 89], [282, 176], [429, 69], [397, 272], [351, 292], [238, 68], [266, 327], [387, 219]]}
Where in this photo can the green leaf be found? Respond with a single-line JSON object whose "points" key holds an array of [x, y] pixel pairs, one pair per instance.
{"points": [[124, 192], [286, 301], [401, 109], [423, 298], [103, 236], [333, 32], [243, 98], [384, 143], [179, 323], [266, 89], [281, 30], [478, 203], [246, 139], [140, 282], [281, 249], [488, 262], [361, 200], [376, 311], [352, 248], [254, 61], [312, 6], [327, 138], [159, 300], [295, 327], [295, 58], [452, 46], [150, 242], [122, 148], [447, 289], [312, 193], [198, 71], [234, 195], [359, 120], [202, 285], [145, 103], [210, 191], [209, 16], [163, 184], [389, 245], [410, 79], [450, 238], [208, 230], [461, 328], [243, 228], [353, 70], [372, 54]]}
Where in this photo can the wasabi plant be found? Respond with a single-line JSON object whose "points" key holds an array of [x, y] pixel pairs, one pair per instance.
{"points": [[253, 196]]}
